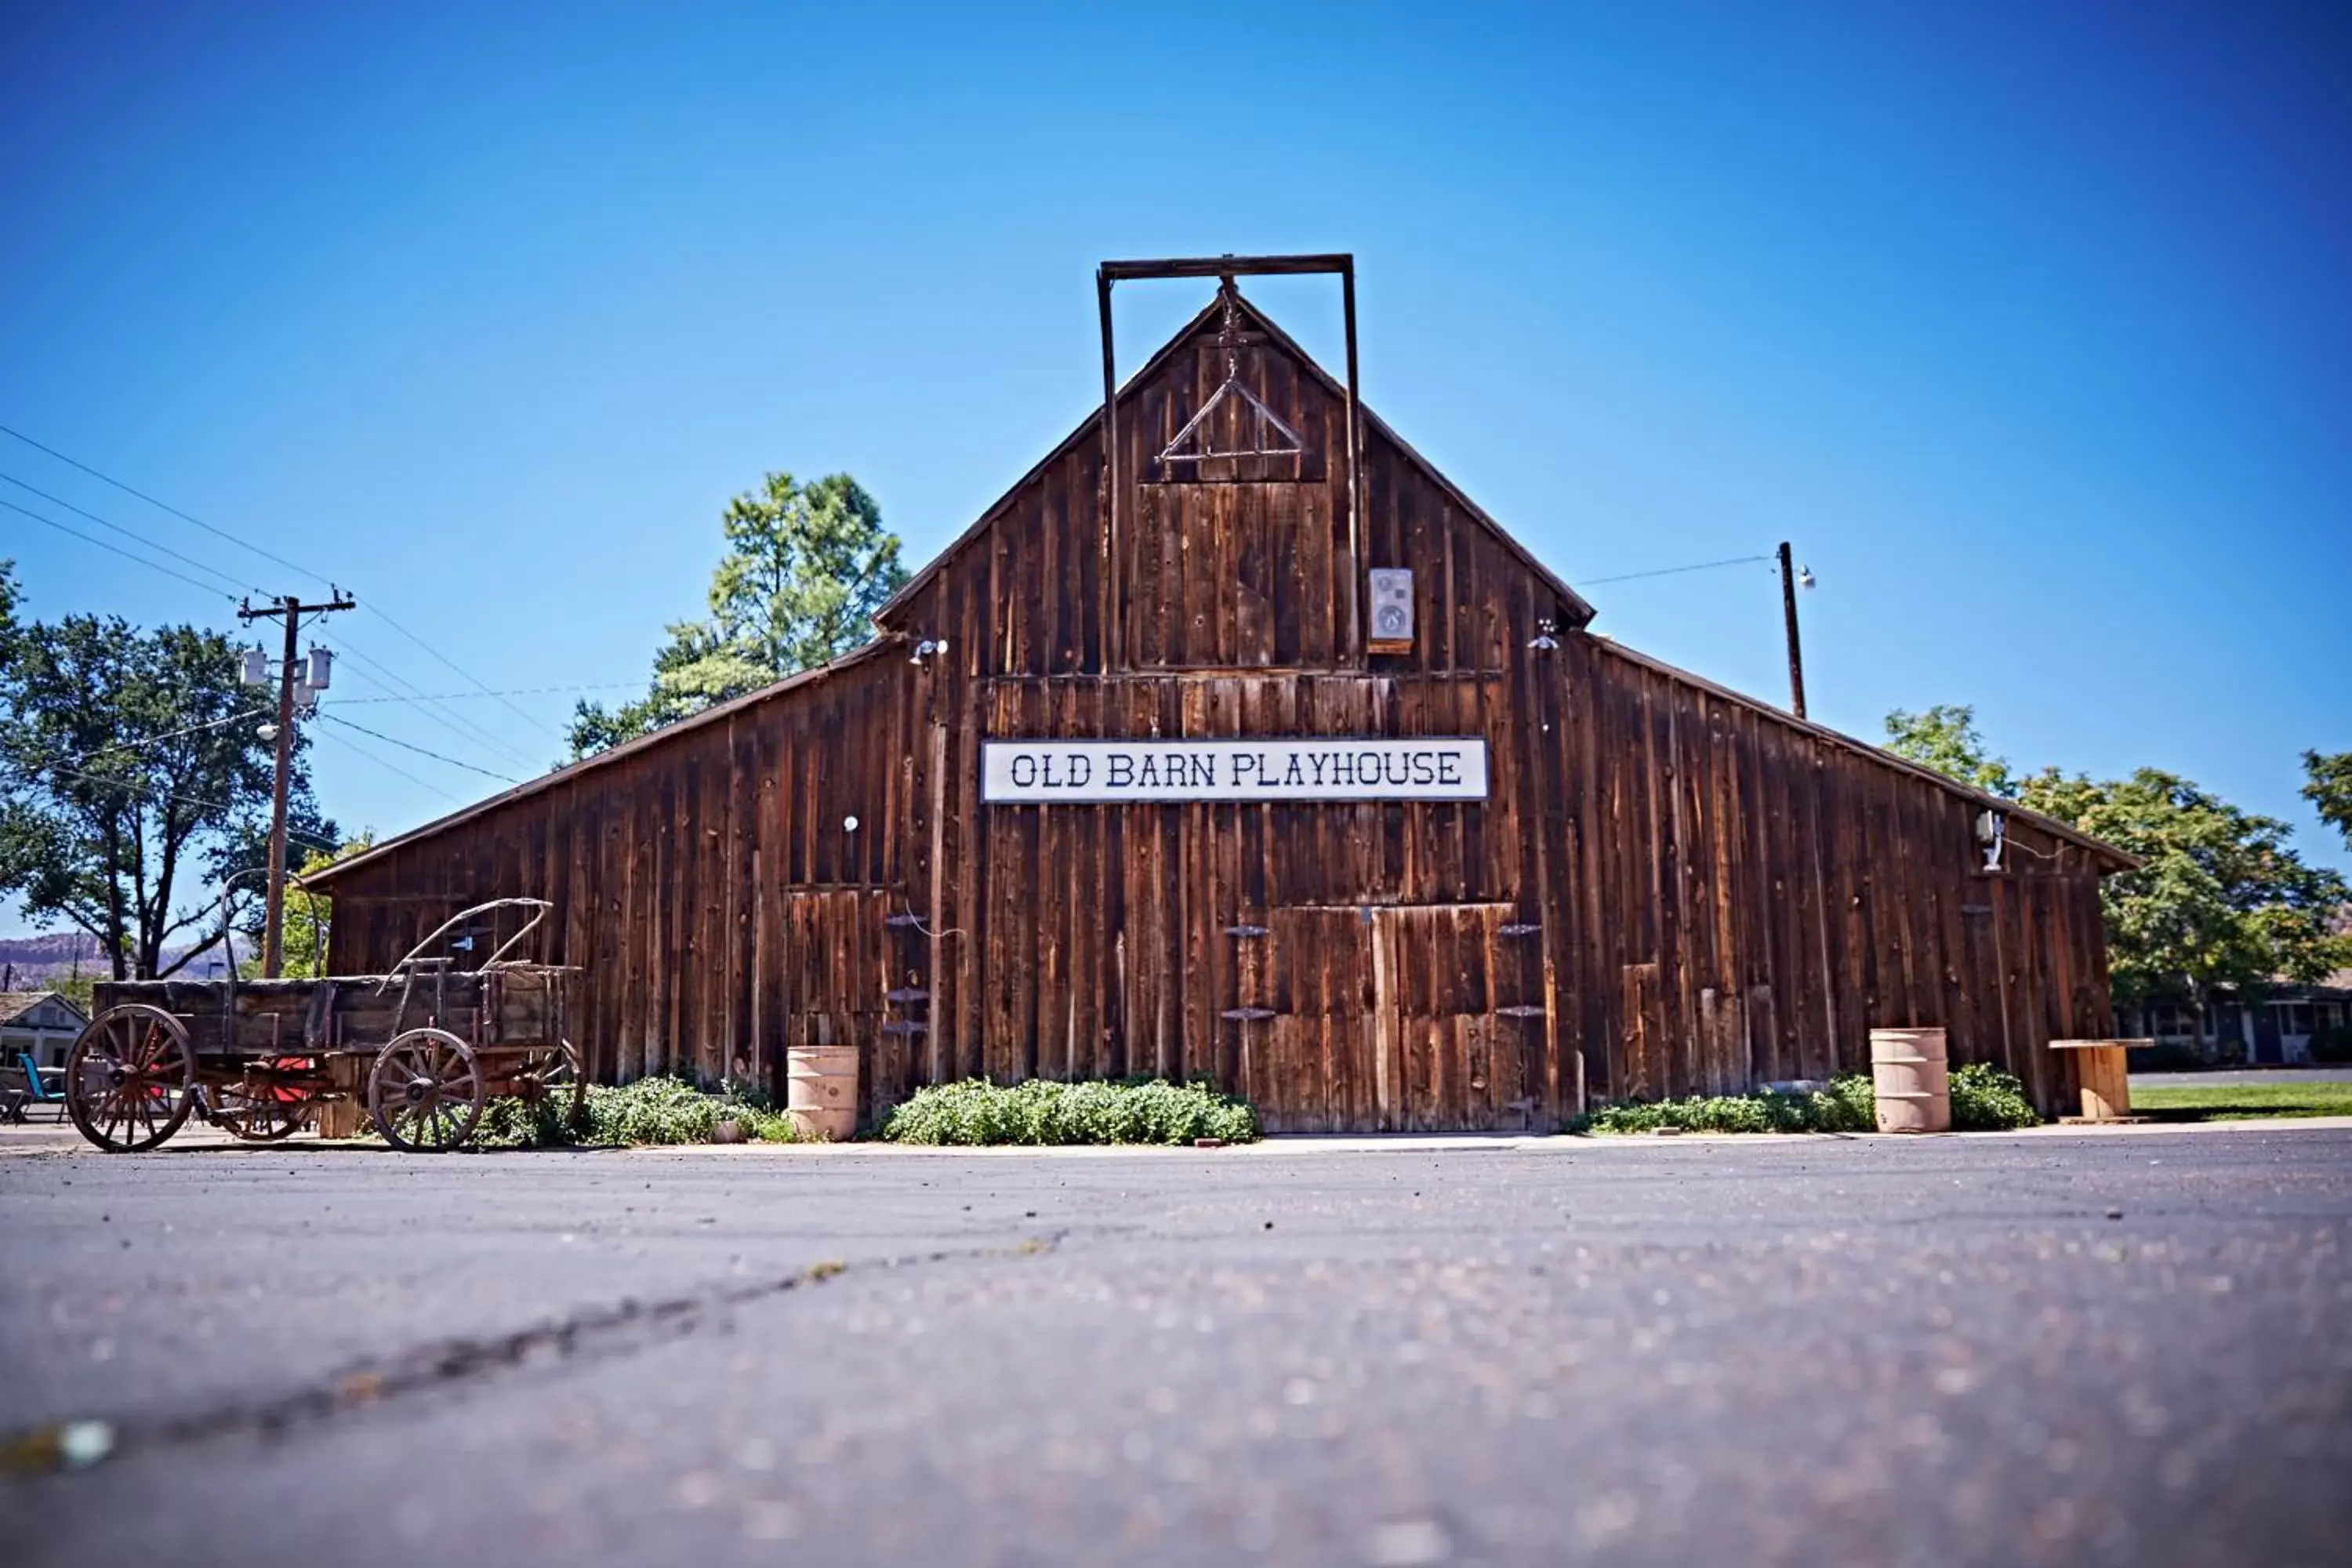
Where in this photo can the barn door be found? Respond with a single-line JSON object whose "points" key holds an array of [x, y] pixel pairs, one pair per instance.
{"points": [[1309, 1066], [1453, 1043], [1395, 1019]]}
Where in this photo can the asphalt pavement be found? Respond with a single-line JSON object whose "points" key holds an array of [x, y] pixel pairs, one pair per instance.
{"points": [[2119, 1349]]}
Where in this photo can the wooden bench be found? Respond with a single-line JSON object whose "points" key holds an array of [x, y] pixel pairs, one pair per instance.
{"points": [[2106, 1079]]}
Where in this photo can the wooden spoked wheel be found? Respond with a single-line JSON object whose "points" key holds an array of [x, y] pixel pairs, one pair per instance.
{"points": [[424, 1091], [260, 1108], [552, 1073], [131, 1078]]}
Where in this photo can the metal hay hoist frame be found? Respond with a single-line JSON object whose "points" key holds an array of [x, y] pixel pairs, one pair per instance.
{"points": [[1225, 269]]}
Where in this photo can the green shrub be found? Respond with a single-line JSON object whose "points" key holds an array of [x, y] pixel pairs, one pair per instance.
{"points": [[773, 1127], [1857, 1104], [1844, 1107], [671, 1111], [1140, 1110], [1987, 1099], [510, 1122], [1984, 1100], [650, 1110]]}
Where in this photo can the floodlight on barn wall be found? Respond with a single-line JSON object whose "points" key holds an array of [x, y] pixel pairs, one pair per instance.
{"points": [[1224, 268], [1992, 836]]}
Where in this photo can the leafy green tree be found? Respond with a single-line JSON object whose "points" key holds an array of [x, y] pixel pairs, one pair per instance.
{"points": [[806, 566], [2222, 900], [2328, 787], [130, 762], [310, 918], [1945, 738]]}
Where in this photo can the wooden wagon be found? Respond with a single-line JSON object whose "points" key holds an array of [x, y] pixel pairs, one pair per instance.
{"points": [[423, 1046]]}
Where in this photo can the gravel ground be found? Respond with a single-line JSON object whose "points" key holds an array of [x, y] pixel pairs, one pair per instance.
{"points": [[2033, 1350]]}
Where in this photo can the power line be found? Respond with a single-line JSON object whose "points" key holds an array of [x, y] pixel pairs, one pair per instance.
{"points": [[388, 680], [509, 691], [117, 548], [168, 734], [166, 506], [127, 533], [393, 768], [455, 722], [477, 681], [1671, 571], [270, 555], [396, 740]]}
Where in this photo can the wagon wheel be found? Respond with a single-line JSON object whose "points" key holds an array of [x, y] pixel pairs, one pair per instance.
{"points": [[553, 1072], [131, 1078], [425, 1091], [259, 1110]]}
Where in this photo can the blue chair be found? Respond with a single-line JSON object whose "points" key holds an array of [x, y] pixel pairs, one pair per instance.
{"points": [[43, 1089]]}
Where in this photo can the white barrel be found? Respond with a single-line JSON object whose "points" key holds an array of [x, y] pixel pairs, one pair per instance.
{"points": [[821, 1091], [1910, 1077]]}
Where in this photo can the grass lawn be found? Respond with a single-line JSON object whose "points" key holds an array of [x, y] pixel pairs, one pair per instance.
{"points": [[2243, 1101]]}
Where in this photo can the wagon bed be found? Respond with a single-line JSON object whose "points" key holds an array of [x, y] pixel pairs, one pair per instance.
{"points": [[424, 1047], [516, 1004]]}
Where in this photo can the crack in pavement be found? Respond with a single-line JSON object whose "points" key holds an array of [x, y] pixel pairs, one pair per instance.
{"points": [[602, 1333]]}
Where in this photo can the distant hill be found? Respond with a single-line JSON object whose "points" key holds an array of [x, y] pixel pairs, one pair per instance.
{"points": [[36, 959], [60, 947]]}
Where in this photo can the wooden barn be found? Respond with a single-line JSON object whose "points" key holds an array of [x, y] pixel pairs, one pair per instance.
{"points": [[1295, 770]]}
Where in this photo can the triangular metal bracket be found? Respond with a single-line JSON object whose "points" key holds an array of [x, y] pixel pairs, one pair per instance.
{"points": [[1265, 431]]}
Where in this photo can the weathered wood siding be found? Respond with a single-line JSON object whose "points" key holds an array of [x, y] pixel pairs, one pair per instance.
{"points": [[1670, 889], [1746, 899], [704, 885]]}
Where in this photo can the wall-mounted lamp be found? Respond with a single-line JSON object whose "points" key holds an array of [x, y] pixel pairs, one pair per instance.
{"points": [[1992, 836], [926, 648], [1543, 641]]}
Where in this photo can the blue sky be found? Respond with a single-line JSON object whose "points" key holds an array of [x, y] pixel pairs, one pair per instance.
{"points": [[2028, 324]]}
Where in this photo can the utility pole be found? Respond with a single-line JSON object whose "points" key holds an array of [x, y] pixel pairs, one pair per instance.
{"points": [[292, 609], [1796, 653]]}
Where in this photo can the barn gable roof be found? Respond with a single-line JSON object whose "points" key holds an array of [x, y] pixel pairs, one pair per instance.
{"points": [[1090, 428]]}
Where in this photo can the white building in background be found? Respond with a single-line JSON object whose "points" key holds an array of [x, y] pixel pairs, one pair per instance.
{"points": [[40, 1022]]}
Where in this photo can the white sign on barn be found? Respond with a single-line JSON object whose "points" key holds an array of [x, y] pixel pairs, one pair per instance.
{"points": [[1050, 772]]}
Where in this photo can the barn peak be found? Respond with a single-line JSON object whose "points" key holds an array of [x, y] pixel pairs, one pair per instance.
{"points": [[1232, 399]]}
